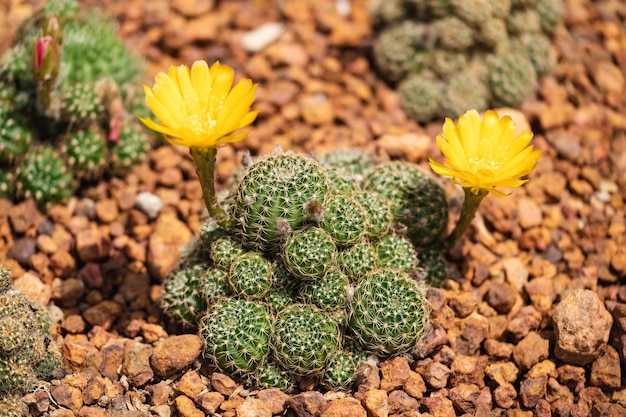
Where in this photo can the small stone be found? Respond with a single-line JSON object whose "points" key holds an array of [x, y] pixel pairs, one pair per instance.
{"points": [[186, 407], [258, 39], [497, 349], [541, 293], [504, 396], [468, 370], [439, 406], [606, 371], [164, 244], [577, 342], [192, 8], [516, 272], [175, 353], [210, 401], [67, 292], [529, 213], [501, 296], [107, 210], [92, 245], [376, 403], [464, 397], [103, 314], [344, 407], [136, 365], [395, 372], [73, 324], [532, 390], [31, 286], [274, 399], [223, 383], [464, 303], [253, 407], [23, 216], [307, 404], [67, 396], [149, 204], [530, 350], [436, 375], [160, 393], [93, 390], [317, 110], [22, 250], [606, 409], [400, 402], [502, 372], [112, 358], [92, 411], [191, 384], [415, 385]]}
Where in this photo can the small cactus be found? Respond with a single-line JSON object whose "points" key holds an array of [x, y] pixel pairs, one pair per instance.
{"points": [[270, 375], [15, 137], [344, 219], [387, 312], [329, 293], [357, 260], [309, 253], [225, 250], [214, 285], [250, 275], [85, 152], [396, 50], [304, 339], [183, 294], [236, 334], [512, 78], [340, 372], [420, 97], [396, 252], [44, 176]]}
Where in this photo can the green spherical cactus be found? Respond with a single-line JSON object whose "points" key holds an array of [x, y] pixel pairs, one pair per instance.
{"points": [[15, 136], [43, 175], [183, 298], [278, 299], [511, 79], [453, 33], [420, 97], [85, 152], [129, 150], [250, 275], [270, 375], [378, 210], [6, 278], [340, 372], [473, 12], [524, 20], [492, 32], [309, 253], [282, 278], [417, 201], [395, 252], [304, 339], [357, 260], [447, 63], [432, 267], [15, 65], [353, 162], [345, 219], [538, 49], [277, 194], [209, 232], [236, 335], [396, 50], [384, 12], [215, 285], [500, 8], [550, 14], [341, 181], [7, 184], [387, 313], [81, 104], [329, 293], [224, 251], [463, 91]]}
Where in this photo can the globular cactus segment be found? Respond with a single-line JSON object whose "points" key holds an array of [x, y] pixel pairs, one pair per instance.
{"points": [[340, 372], [309, 253], [250, 275], [85, 152], [387, 313], [275, 196], [236, 335], [329, 293], [357, 260], [395, 252], [344, 219], [44, 175], [304, 339], [183, 298], [270, 375], [15, 137]]}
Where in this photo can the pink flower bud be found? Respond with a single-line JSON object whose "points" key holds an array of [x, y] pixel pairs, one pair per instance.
{"points": [[45, 58], [52, 27]]}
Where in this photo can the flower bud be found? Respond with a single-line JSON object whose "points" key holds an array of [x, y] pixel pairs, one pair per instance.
{"points": [[45, 59], [52, 27]]}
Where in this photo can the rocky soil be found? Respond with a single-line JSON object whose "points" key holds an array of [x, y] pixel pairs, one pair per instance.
{"points": [[537, 287]]}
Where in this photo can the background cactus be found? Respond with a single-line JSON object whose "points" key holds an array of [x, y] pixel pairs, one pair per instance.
{"points": [[70, 102], [276, 313], [424, 48]]}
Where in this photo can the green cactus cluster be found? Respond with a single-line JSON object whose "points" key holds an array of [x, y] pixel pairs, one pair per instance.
{"points": [[68, 87], [311, 277], [448, 56], [27, 354]]}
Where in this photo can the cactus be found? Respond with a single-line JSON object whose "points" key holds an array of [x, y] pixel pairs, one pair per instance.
{"points": [[224, 251], [26, 352], [396, 52], [72, 99], [420, 97], [236, 335], [461, 92], [344, 219], [12, 406], [378, 213], [85, 152], [309, 253], [250, 275], [393, 251], [452, 33], [357, 260], [432, 267], [417, 201], [340, 372], [550, 14], [329, 293], [43, 175], [182, 293], [270, 375], [7, 184], [492, 32], [304, 339], [473, 12], [350, 161], [387, 312], [277, 194], [512, 78], [278, 299], [214, 285], [523, 21], [539, 50]]}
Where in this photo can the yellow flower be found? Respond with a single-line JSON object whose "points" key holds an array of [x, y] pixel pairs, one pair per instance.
{"points": [[484, 154], [197, 108]]}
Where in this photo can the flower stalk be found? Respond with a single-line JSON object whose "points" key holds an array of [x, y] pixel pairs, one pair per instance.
{"points": [[204, 159], [468, 212]]}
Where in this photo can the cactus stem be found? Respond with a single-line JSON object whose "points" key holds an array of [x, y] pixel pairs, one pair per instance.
{"points": [[204, 159], [468, 211]]}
